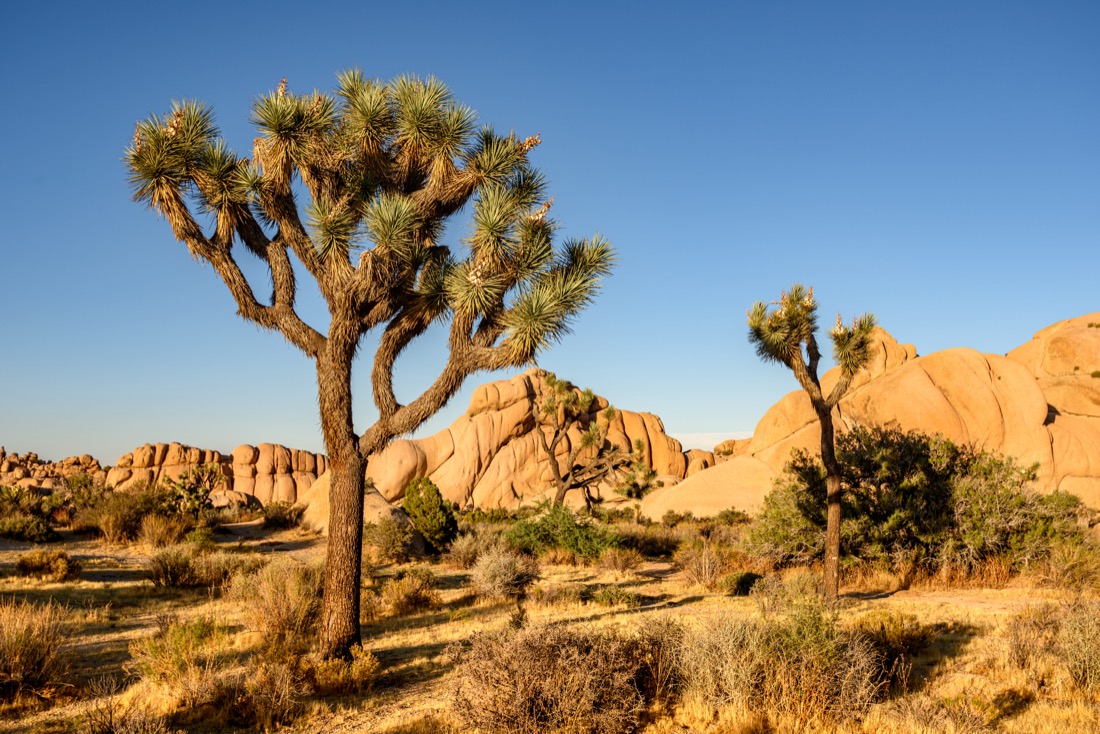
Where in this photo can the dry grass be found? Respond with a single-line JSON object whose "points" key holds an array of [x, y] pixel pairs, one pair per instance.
{"points": [[32, 659]]}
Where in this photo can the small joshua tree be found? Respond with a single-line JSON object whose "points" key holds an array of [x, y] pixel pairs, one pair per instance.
{"points": [[783, 332], [590, 459]]}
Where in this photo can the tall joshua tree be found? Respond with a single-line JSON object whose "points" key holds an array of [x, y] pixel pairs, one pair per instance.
{"points": [[783, 332], [381, 167]]}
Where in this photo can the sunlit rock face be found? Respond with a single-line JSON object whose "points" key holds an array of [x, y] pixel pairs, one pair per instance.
{"points": [[1040, 403]]}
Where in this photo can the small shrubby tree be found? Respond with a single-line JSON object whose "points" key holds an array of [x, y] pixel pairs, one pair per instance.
{"points": [[430, 513], [382, 169], [593, 457], [784, 332]]}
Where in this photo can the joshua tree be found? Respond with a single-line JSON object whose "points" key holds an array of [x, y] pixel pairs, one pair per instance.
{"points": [[785, 334], [591, 458], [381, 168]]}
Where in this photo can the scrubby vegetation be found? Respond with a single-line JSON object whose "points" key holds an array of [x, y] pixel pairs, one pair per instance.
{"points": [[917, 504], [551, 620]]}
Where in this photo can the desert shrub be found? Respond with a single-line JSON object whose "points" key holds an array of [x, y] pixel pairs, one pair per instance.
{"points": [[170, 567], [801, 669], [282, 600], [370, 607], [391, 540], [559, 527], [336, 675], [656, 647], [1080, 638], [898, 638], [186, 657], [216, 569], [739, 583], [274, 693], [118, 515], [672, 518], [201, 538], [1030, 632], [157, 531], [620, 560], [487, 516], [548, 679], [31, 655], [282, 515], [913, 502], [731, 517], [652, 541], [410, 593], [701, 564], [502, 573], [611, 595], [107, 713], [468, 547], [549, 595], [432, 515], [48, 565], [24, 516]]}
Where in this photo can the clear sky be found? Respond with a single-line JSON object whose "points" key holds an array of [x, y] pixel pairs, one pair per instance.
{"points": [[936, 163]]}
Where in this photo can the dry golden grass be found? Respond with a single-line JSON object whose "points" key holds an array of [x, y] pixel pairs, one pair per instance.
{"points": [[968, 680]]}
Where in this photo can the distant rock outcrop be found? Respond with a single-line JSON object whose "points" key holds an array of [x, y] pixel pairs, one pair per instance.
{"points": [[1039, 404], [267, 472], [28, 470]]}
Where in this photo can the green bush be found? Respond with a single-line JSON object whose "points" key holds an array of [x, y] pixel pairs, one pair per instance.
{"points": [[282, 515], [433, 516], [390, 539], [611, 595], [558, 527], [119, 513], [913, 502], [25, 515]]}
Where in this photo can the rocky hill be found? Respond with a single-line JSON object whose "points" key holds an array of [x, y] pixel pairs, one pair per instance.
{"points": [[1040, 403]]}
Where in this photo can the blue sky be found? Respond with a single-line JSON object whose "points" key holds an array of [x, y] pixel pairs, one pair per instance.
{"points": [[936, 163]]}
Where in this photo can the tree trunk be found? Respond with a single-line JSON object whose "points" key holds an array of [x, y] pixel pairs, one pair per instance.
{"points": [[832, 523], [343, 562]]}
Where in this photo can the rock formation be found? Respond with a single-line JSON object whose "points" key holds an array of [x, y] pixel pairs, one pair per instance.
{"points": [[490, 456], [1039, 404], [30, 471], [267, 472]]}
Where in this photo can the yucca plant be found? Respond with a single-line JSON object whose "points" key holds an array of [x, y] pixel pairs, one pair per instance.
{"points": [[383, 167], [784, 332], [581, 463]]}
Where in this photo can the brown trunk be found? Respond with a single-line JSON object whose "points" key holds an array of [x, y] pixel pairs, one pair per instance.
{"points": [[340, 615], [832, 523]]}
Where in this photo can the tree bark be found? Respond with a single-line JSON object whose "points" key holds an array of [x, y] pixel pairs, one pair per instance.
{"points": [[343, 561], [832, 523]]}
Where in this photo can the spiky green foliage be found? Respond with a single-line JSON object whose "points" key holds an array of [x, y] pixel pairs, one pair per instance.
{"points": [[591, 458], [430, 513], [785, 332]]}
